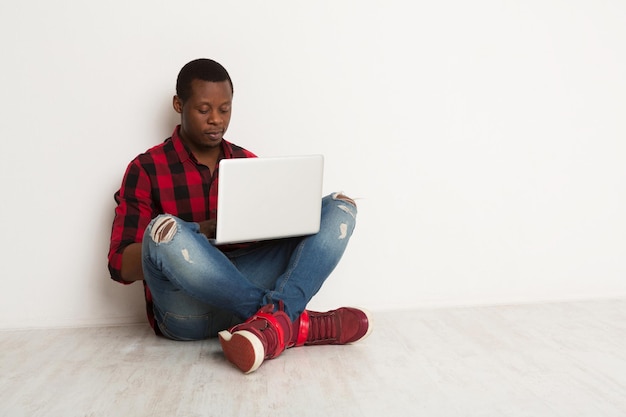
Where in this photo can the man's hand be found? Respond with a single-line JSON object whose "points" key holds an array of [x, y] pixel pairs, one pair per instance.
{"points": [[207, 228], [131, 263]]}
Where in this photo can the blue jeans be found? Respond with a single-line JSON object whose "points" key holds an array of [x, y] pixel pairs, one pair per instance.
{"points": [[199, 290]]}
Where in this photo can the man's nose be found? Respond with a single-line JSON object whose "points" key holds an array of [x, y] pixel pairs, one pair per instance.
{"points": [[214, 117]]}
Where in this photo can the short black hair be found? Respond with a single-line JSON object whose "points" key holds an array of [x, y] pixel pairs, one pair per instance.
{"points": [[200, 69]]}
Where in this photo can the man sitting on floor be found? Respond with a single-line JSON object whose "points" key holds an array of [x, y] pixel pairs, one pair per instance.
{"points": [[258, 291]]}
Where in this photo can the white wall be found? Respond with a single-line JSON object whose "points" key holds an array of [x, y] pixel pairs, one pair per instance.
{"points": [[486, 139]]}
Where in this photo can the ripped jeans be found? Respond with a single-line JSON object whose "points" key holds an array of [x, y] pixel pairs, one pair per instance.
{"points": [[198, 290]]}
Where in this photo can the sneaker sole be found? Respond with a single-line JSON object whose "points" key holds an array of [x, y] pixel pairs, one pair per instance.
{"points": [[243, 349]]}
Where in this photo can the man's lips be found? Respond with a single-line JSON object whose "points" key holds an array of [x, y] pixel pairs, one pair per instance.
{"points": [[214, 135]]}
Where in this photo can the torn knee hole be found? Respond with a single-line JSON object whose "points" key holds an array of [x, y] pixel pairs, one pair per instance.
{"points": [[163, 230], [343, 197]]}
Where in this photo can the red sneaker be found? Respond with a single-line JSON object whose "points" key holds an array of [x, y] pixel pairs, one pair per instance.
{"points": [[260, 337], [335, 327]]}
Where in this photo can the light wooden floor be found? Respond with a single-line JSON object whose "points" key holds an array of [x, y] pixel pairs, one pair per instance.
{"points": [[563, 359]]}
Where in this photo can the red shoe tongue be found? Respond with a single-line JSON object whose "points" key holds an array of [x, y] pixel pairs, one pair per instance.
{"points": [[268, 308], [321, 328]]}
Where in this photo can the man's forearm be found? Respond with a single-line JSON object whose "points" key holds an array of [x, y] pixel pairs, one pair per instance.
{"points": [[131, 263]]}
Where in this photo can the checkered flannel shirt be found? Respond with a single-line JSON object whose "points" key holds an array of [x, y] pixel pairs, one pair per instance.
{"points": [[165, 179]]}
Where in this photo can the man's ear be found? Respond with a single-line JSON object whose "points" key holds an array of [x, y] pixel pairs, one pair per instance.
{"points": [[177, 103]]}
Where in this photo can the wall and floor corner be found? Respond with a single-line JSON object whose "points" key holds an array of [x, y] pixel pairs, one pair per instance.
{"points": [[485, 140]]}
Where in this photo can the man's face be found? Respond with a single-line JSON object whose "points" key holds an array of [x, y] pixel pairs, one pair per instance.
{"points": [[205, 115]]}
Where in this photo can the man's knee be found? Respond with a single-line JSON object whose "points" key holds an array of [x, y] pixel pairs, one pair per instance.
{"points": [[343, 197], [349, 208], [163, 229]]}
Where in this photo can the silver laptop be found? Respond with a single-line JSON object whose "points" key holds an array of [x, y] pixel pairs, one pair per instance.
{"points": [[268, 198]]}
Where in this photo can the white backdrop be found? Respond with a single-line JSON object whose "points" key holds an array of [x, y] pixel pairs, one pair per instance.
{"points": [[485, 140]]}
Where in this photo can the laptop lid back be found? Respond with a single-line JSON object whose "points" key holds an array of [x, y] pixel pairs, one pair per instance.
{"points": [[268, 198]]}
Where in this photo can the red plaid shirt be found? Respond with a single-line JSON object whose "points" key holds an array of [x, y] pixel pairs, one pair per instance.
{"points": [[165, 179]]}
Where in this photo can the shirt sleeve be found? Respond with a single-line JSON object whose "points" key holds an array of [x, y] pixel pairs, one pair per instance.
{"points": [[133, 213]]}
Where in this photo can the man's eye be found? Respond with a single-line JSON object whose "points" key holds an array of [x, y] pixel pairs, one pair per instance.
{"points": [[203, 111], [225, 110]]}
